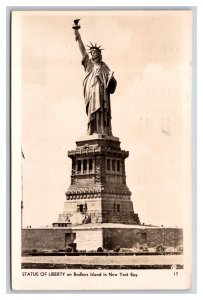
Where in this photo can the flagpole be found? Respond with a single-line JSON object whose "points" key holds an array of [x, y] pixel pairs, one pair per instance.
{"points": [[22, 157]]}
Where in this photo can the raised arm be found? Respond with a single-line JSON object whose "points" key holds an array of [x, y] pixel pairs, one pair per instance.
{"points": [[80, 43]]}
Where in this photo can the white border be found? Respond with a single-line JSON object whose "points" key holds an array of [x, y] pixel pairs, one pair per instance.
{"points": [[3, 121]]}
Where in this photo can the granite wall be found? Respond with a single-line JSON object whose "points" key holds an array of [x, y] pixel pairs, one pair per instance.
{"points": [[134, 237], [60, 238], [93, 238], [46, 239]]}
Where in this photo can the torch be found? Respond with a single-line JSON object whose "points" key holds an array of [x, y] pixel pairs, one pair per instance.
{"points": [[76, 26]]}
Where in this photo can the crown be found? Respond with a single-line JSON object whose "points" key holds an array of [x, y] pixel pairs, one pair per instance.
{"points": [[94, 47]]}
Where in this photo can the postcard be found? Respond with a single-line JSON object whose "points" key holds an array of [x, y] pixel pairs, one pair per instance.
{"points": [[101, 139]]}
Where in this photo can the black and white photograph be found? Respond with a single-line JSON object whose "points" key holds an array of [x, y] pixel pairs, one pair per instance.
{"points": [[101, 135]]}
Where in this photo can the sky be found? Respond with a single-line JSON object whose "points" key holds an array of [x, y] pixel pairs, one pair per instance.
{"points": [[150, 53]]}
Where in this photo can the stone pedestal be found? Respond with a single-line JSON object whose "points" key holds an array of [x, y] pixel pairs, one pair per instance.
{"points": [[98, 192]]}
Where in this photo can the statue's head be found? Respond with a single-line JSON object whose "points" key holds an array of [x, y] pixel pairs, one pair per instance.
{"points": [[95, 52], [96, 55]]}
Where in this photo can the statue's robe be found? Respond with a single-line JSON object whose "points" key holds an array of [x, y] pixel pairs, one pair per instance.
{"points": [[97, 98]]}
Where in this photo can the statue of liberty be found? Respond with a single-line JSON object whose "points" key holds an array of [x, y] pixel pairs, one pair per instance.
{"points": [[98, 84]]}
